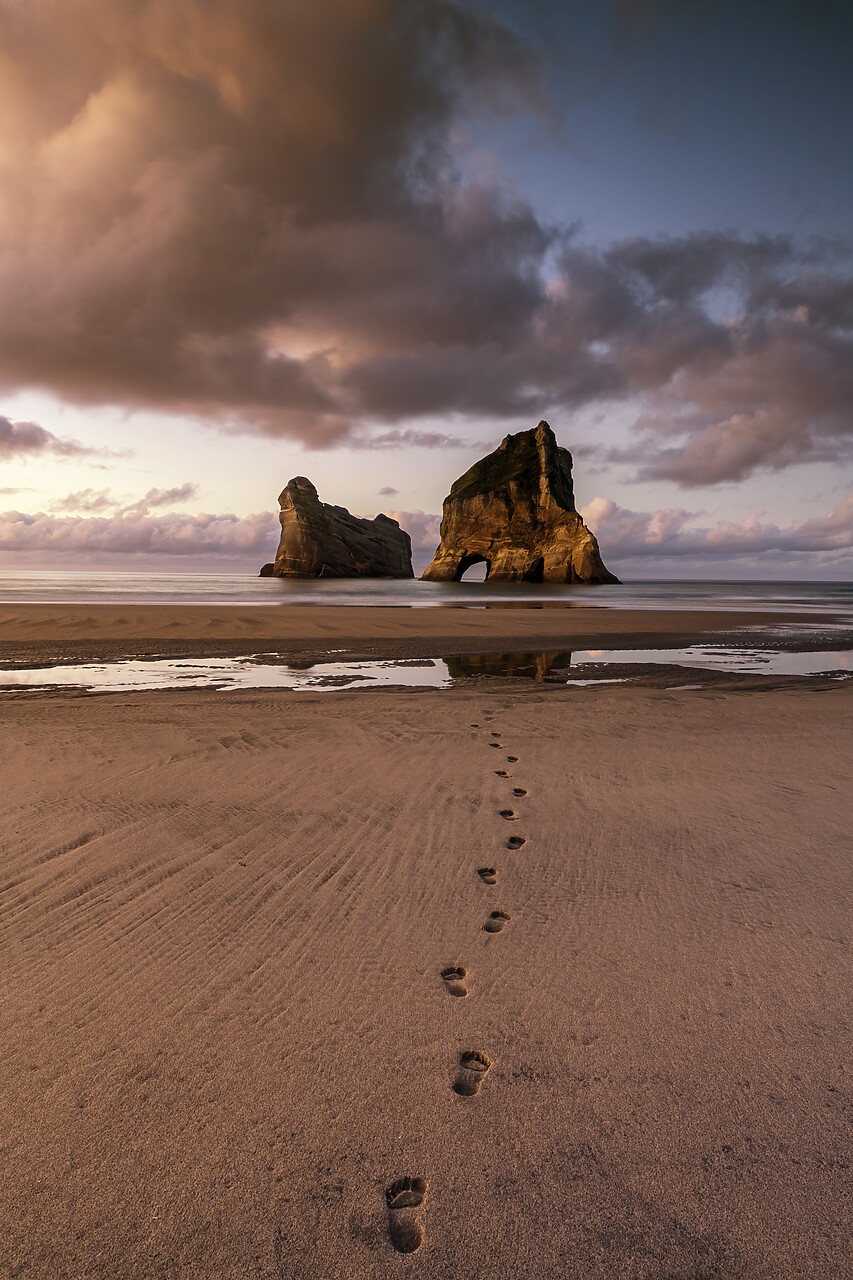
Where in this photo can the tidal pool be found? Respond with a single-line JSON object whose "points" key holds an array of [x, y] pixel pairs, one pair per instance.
{"points": [[267, 671]]}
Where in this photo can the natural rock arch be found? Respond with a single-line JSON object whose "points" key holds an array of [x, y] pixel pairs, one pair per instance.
{"points": [[468, 562], [515, 509]]}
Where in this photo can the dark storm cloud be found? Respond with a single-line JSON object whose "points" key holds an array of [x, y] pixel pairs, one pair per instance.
{"points": [[764, 384], [248, 212], [195, 187]]}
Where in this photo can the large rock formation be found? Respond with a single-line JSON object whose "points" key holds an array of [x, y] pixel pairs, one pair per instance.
{"points": [[515, 509], [322, 541]]}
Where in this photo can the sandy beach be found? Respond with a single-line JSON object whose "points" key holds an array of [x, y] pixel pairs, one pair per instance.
{"points": [[35, 632], [225, 921]]}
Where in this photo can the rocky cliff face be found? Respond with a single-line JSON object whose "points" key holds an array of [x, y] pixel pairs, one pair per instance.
{"points": [[515, 510], [322, 541]]}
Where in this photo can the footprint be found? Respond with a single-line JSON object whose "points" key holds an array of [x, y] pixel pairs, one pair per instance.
{"points": [[502, 773], [515, 842], [488, 875], [405, 1227], [512, 759], [509, 814], [475, 726], [472, 1070], [498, 745], [519, 791], [454, 979], [496, 921]]}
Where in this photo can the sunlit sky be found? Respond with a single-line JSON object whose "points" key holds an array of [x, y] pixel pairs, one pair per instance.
{"points": [[363, 240]]}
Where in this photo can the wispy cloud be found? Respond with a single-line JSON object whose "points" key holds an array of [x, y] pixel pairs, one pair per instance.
{"points": [[163, 498], [92, 501], [28, 439]]}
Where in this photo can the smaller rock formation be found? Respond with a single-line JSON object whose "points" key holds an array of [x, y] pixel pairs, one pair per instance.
{"points": [[515, 510], [322, 541]]}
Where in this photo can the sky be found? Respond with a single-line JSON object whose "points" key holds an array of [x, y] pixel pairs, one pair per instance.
{"points": [[363, 240]]}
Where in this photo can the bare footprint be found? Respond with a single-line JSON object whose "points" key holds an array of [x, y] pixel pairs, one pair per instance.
{"points": [[512, 759], [488, 875], [454, 979], [515, 842], [501, 773], [405, 1226], [519, 791], [472, 1071], [509, 814], [496, 921]]}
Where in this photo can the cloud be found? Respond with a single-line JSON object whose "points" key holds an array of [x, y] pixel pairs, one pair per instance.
{"points": [[631, 537], [163, 498], [28, 439], [134, 534], [410, 439], [253, 214], [90, 500], [625, 534], [94, 500], [208, 207], [388, 491], [423, 529]]}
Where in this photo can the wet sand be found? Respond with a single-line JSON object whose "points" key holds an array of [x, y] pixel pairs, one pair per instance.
{"points": [[228, 926], [36, 632]]}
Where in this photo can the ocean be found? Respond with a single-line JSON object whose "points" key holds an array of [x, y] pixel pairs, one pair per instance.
{"points": [[22, 586]]}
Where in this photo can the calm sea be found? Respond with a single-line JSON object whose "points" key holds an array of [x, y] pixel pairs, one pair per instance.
{"points": [[29, 586]]}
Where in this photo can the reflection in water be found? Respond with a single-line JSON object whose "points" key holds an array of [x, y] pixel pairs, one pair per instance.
{"points": [[272, 671], [533, 666]]}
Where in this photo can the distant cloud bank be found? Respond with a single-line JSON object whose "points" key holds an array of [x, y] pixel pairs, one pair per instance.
{"points": [[626, 537], [660, 535], [130, 533]]}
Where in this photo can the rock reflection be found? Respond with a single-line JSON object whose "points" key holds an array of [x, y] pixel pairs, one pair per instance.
{"points": [[541, 667]]}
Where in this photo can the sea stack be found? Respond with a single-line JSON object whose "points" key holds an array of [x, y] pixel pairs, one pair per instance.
{"points": [[515, 510], [322, 541]]}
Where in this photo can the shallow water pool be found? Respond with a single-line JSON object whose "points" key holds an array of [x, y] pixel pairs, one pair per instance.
{"points": [[268, 671]]}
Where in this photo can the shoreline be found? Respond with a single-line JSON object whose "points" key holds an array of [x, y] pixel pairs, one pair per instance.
{"points": [[40, 634]]}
